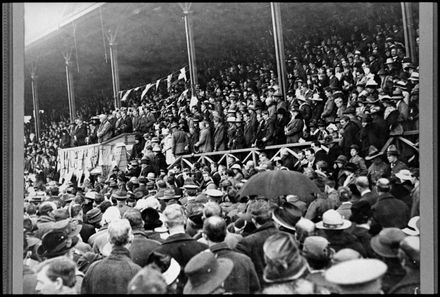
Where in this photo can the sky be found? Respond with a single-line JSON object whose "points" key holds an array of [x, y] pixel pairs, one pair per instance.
{"points": [[42, 18]]}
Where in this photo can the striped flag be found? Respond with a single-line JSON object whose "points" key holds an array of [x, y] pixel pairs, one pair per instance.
{"points": [[183, 96], [126, 95], [182, 74]]}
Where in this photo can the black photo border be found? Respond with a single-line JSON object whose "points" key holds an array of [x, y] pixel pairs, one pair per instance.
{"points": [[13, 148]]}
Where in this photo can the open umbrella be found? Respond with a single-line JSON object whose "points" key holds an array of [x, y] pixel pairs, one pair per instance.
{"points": [[274, 183]]}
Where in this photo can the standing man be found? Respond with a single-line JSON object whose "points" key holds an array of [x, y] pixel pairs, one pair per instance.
{"points": [[180, 141], [105, 129], [205, 140], [350, 134], [79, 133]]}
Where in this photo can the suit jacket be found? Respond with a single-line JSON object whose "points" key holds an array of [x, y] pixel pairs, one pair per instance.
{"points": [[182, 248], [252, 246], [105, 131], [294, 130], [205, 141], [81, 133], [349, 136], [141, 247], [243, 278], [249, 132], [110, 275], [329, 112], [219, 137], [179, 142], [389, 211]]}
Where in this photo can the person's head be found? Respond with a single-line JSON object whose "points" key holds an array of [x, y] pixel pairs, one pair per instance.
{"points": [[112, 213], [260, 211], [210, 209], [120, 232], [362, 183], [214, 229], [56, 276], [409, 252], [147, 281], [317, 251], [383, 185], [344, 121], [134, 217], [174, 216]]}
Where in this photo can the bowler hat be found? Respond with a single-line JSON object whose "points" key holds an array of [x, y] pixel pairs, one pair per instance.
{"points": [[386, 243], [287, 215], [206, 273]]}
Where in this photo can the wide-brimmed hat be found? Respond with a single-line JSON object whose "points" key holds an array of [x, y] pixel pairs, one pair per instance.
{"points": [[120, 195], [169, 194], [206, 273], [287, 215], [389, 61], [397, 94], [281, 247], [94, 216], [355, 272], [404, 174], [332, 220], [371, 83], [56, 243], [214, 193], [316, 97], [373, 152], [386, 243], [410, 245], [413, 227], [91, 195]]}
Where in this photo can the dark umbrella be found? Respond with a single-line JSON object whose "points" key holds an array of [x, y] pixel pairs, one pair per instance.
{"points": [[274, 183]]}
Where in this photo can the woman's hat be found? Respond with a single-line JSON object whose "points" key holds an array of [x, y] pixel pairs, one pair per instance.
{"points": [[283, 259], [346, 254], [206, 273], [332, 220], [392, 150], [168, 195], [94, 216], [56, 243], [287, 215], [404, 174], [341, 159], [373, 152], [386, 243]]}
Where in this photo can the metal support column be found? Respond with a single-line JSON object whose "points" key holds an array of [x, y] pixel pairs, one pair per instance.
{"points": [[70, 89], [190, 47], [35, 102], [409, 31], [115, 69], [279, 46]]}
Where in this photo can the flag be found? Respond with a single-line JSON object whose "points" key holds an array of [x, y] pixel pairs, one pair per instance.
{"points": [[157, 84], [182, 74], [126, 95], [137, 89], [183, 95], [194, 101], [146, 90], [169, 81]]}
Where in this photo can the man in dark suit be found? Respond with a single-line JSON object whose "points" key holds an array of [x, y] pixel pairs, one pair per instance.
{"points": [[249, 130], [363, 185], [79, 133], [252, 245], [388, 211], [214, 230], [219, 134], [180, 141], [350, 134], [179, 245]]}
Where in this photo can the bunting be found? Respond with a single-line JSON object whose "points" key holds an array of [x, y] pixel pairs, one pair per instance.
{"points": [[194, 101], [169, 81], [182, 74], [157, 84], [146, 90], [126, 95], [182, 96]]}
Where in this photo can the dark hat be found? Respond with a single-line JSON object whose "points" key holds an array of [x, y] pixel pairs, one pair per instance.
{"points": [[321, 123], [355, 146], [350, 167], [341, 159], [350, 110], [120, 195], [365, 117], [392, 150], [373, 152], [151, 218], [56, 243], [206, 273], [142, 180], [386, 243], [287, 215], [381, 71], [113, 184], [397, 94], [145, 161], [174, 125], [94, 216], [169, 194], [360, 211]]}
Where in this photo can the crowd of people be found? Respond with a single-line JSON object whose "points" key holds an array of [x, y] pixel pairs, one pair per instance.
{"points": [[152, 229]]}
